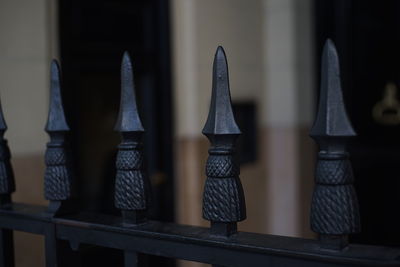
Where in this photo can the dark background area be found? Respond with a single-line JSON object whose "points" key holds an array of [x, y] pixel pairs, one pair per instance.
{"points": [[93, 37], [367, 36]]}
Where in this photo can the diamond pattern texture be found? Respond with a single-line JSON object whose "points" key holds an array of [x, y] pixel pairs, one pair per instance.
{"points": [[132, 187], [129, 160], [334, 172], [334, 207], [223, 200], [220, 166], [57, 178]]}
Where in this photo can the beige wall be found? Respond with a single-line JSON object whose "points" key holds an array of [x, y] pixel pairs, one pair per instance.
{"points": [[27, 44], [288, 77], [198, 28], [25, 52], [287, 114], [269, 49]]}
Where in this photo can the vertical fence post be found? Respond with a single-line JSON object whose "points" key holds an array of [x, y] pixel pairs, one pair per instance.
{"points": [[132, 187], [7, 186], [334, 208], [223, 198], [58, 173], [57, 179]]}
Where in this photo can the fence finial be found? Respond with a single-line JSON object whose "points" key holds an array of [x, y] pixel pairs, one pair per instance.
{"points": [[223, 198], [56, 118], [57, 179], [7, 183], [132, 187], [220, 117], [128, 117], [332, 119], [334, 208]]}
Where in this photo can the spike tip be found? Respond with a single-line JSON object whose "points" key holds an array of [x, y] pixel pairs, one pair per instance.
{"points": [[56, 121], [128, 117], [220, 117], [332, 119]]}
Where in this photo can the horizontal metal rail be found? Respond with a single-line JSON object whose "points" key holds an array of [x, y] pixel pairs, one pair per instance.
{"points": [[191, 242]]}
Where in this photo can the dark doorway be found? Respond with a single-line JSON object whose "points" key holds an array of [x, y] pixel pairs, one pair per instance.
{"points": [[367, 36], [93, 37]]}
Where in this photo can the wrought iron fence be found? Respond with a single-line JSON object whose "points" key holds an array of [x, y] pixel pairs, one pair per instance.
{"points": [[334, 210]]}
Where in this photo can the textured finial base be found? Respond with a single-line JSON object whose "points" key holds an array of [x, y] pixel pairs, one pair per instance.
{"points": [[57, 178], [334, 208]]}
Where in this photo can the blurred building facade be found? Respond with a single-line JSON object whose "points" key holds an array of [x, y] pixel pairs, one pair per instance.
{"points": [[270, 49]]}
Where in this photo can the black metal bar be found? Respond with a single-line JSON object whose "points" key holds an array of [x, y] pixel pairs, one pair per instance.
{"points": [[7, 187], [132, 187], [334, 209], [50, 242], [26, 218], [7, 183], [134, 259], [223, 199], [198, 244], [6, 248], [58, 175]]}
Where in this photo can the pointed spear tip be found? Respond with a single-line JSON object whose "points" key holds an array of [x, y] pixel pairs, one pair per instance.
{"points": [[128, 117], [220, 50], [330, 52], [56, 121], [220, 55], [332, 119], [220, 119], [55, 70], [329, 42], [55, 64], [126, 59]]}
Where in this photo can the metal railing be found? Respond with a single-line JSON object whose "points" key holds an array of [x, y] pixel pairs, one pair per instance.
{"points": [[334, 210]]}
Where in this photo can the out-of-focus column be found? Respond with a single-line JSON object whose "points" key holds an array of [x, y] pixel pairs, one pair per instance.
{"points": [[287, 113], [28, 41]]}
